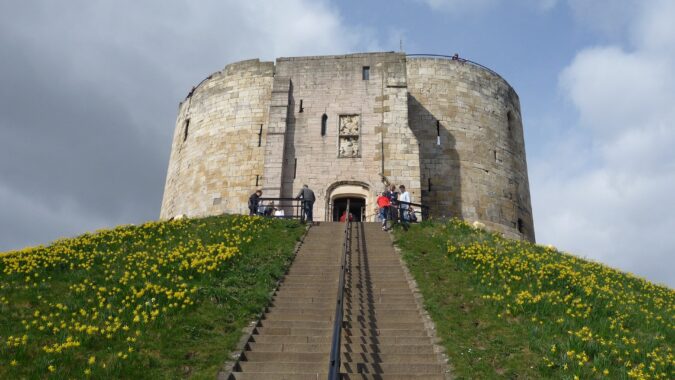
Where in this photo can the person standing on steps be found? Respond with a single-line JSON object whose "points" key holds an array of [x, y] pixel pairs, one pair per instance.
{"points": [[404, 200], [393, 206], [307, 196], [253, 202], [383, 203]]}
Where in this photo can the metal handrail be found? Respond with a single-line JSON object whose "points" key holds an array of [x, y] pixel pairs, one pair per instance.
{"points": [[423, 208], [458, 59], [334, 367], [297, 211]]}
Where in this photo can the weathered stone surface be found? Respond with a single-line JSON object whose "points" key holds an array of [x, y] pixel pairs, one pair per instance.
{"points": [[448, 130]]}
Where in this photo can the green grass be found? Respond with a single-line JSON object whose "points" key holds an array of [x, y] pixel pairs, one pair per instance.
{"points": [[509, 309], [161, 300]]}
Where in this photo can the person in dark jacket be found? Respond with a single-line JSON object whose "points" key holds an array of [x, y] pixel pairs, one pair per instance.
{"points": [[308, 198], [253, 202]]}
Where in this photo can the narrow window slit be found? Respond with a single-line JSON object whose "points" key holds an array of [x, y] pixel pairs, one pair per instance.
{"points": [[438, 133], [260, 136], [429, 184], [301, 108], [324, 120], [365, 73], [257, 179], [295, 168], [185, 130]]}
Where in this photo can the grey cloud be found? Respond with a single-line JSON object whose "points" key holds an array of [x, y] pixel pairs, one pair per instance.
{"points": [[89, 93]]}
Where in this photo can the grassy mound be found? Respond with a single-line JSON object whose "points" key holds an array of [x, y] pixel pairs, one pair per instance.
{"points": [[510, 309], [160, 300]]}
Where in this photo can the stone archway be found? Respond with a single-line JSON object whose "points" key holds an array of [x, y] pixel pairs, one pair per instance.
{"points": [[357, 190]]}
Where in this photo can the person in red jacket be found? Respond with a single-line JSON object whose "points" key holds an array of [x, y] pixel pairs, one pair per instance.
{"points": [[383, 203], [343, 218]]}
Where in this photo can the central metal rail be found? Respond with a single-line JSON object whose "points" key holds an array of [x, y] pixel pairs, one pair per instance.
{"points": [[334, 369]]}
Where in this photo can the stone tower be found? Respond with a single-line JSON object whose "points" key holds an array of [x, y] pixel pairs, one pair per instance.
{"points": [[448, 129]]}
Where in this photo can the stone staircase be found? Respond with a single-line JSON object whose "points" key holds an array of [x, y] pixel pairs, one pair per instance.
{"points": [[383, 335]]}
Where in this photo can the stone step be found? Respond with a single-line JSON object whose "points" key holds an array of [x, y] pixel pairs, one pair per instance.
{"points": [[299, 368], [384, 318], [367, 308], [319, 271], [350, 310], [287, 357], [301, 331], [379, 299], [363, 376], [324, 287], [386, 340], [321, 376], [299, 317], [353, 340], [381, 313], [276, 376], [294, 323], [292, 339], [393, 368], [418, 325], [375, 358], [348, 348], [304, 292], [303, 306], [282, 299], [358, 332], [363, 282], [347, 331]]}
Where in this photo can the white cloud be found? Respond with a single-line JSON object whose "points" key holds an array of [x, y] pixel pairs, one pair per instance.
{"points": [[617, 209]]}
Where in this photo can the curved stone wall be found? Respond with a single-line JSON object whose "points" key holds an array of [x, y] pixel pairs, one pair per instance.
{"points": [[472, 152], [218, 143]]}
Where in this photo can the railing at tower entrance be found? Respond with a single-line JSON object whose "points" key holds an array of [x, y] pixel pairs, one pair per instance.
{"points": [[282, 208]]}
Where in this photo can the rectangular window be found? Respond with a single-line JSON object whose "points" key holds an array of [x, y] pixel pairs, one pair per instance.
{"points": [[366, 73]]}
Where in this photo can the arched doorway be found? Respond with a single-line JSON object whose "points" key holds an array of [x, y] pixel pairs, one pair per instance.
{"points": [[358, 194], [357, 208]]}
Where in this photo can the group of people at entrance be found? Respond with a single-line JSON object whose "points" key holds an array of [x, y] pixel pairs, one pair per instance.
{"points": [[395, 206], [392, 206]]}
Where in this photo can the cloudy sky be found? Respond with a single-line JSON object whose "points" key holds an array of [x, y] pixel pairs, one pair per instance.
{"points": [[89, 92]]}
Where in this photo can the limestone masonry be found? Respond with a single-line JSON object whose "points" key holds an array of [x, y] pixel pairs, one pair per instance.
{"points": [[448, 129]]}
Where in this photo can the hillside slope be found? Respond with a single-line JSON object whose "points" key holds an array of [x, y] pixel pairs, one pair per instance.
{"points": [[511, 309], [160, 300]]}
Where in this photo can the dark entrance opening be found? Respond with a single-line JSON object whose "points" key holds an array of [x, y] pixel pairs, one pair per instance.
{"points": [[357, 207]]}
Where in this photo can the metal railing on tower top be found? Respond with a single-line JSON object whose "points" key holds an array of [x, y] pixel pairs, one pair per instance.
{"points": [[456, 58]]}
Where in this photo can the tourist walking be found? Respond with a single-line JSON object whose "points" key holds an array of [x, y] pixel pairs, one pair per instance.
{"points": [[253, 202], [383, 203], [307, 196]]}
